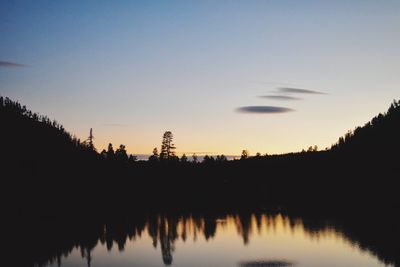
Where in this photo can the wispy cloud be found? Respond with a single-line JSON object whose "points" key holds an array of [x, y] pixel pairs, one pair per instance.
{"points": [[263, 109], [299, 91], [7, 64], [280, 97]]}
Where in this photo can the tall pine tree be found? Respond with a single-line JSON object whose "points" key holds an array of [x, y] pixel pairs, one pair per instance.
{"points": [[167, 147]]}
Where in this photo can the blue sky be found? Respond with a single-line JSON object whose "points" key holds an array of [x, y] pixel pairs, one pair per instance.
{"points": [[134, 69]]}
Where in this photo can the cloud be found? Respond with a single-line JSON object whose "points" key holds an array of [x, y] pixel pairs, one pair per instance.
{"points": [[263, 109], [280, 97], [299, 91], [267, 263], [6, 64]]}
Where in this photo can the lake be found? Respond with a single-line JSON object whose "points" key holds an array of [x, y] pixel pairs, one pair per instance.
{"points": [[252, 239]]}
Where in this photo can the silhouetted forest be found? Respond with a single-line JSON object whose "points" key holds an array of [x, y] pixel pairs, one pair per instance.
{"points": [[41, 161], [47, 173]]}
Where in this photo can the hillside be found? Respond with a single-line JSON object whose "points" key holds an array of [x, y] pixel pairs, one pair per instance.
{"points": [[33, 143], [41, 163], [380, 136]]}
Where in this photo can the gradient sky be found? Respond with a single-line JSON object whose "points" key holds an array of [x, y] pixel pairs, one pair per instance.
{"points": [[134, 69]]}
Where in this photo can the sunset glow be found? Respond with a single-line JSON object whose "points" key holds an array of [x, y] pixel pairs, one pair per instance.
{"points": [[132, 70]]}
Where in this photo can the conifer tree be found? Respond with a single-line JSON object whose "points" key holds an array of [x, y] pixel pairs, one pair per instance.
{"points": [[167, 147]]}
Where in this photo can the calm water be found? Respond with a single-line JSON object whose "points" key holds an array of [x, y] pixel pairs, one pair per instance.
{"points": [[251, 240]]}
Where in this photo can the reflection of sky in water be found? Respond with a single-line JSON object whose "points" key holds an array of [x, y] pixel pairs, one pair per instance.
{"points": [[268, 239]]}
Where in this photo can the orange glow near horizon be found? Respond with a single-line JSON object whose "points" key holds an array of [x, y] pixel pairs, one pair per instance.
{"points": [[261, 76]]}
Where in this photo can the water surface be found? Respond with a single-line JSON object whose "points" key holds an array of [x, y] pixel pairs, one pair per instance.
{"points": [[249, 240]]}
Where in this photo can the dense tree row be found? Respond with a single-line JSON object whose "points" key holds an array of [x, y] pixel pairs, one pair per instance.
{"points": [[14, 113], [38, 152], [378, 135]]}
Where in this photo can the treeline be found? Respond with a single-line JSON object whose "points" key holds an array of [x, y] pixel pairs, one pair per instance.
{"points": [[35, 145], [378, 136], [381, 134], [42, 161], [14, 113], [42, 164]]}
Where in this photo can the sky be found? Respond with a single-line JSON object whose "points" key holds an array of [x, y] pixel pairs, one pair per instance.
{"points": [[270, 76]]}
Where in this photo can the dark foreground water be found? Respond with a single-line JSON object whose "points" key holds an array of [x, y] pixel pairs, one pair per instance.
{"points": [[243, 240]]}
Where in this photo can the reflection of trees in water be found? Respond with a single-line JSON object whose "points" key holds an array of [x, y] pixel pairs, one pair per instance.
{"points": [[243, 225], [165, 230], [167, 234]]}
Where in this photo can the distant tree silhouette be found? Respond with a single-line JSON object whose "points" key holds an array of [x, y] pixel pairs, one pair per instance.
{"points": [[110, 152], [120, 154], [89, 141], [208, 159], [103, 154], [155, 156], [184, 159], [312, 148], [245, 154], [194, 158], [221, 158], [167, 147]]}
